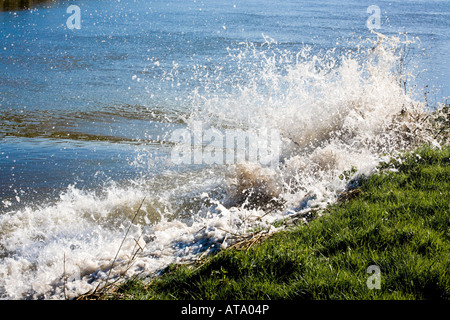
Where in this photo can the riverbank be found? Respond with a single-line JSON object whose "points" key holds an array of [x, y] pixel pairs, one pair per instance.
{"points": [[395, 226], [388, 238], [12, 5]]}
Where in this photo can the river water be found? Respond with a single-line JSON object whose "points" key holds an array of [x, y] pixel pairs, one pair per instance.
{"points": [[91, 116]]}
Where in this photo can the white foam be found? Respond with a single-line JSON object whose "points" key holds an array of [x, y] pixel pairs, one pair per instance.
{"points": [[333, 112]]}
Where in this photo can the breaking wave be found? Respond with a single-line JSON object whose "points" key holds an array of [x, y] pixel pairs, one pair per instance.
{"points": [[335, 112]]}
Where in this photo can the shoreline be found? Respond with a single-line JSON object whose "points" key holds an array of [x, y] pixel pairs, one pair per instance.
{"points": [[394, 222], [15, 5], [330, 257]]}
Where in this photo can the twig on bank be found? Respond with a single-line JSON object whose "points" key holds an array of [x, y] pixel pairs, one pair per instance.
{"points": [[121, 244], [64, 276]]}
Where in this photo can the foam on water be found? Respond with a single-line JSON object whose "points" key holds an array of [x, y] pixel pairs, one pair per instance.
{"points": [[333, 111]]}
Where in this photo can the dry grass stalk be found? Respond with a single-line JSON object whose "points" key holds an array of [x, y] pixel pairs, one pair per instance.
{"points": [[111, 287]]}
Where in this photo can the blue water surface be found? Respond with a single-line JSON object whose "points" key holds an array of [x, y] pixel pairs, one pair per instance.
{"points": [[78, 105]]}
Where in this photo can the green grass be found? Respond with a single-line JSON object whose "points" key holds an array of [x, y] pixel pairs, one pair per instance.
{"points": [[400, 222]]}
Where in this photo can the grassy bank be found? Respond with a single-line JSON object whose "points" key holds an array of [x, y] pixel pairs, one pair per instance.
{"points": [[399, 221], [11, 5]]}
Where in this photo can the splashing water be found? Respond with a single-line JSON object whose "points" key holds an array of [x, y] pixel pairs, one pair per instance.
{"points": [[333, 111]]}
